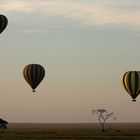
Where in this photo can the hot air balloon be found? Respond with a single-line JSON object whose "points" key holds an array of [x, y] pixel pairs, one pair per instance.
{"points": [[131, 82], [33, 74], [3, 23]]}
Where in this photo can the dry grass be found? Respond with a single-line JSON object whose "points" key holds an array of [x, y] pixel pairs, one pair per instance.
{"points": [[118, 131]]}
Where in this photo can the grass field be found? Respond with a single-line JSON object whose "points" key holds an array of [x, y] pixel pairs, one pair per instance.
{"points": [[38, 131]]}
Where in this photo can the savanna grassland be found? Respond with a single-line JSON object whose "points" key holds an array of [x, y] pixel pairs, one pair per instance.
{"points": [[38, 131]]}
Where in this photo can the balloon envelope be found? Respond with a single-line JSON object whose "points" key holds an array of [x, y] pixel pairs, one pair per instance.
{"points": [[33, 74], [3, 23], [131, 82]]}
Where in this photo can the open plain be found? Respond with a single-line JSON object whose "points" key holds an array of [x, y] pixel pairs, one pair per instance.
{"points": [[70, 131]]}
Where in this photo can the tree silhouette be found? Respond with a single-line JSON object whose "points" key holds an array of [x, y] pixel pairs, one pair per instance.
{"points": [[102, 116]]}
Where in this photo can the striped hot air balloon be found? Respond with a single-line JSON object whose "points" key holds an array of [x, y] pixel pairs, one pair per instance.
{"points": [[3, 23], [131, 82], [33, 74]]}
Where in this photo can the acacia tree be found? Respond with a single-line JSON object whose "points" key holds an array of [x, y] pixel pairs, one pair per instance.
{"points": [[102, 116]]}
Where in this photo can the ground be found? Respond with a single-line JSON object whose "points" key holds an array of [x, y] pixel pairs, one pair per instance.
{"points": [[32, 131]]}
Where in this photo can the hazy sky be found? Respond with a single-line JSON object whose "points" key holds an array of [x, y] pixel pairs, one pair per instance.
{"points": [[85, 47]]}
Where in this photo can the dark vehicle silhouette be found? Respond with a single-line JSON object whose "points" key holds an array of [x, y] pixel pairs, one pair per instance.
{"points": [[3, 124]]}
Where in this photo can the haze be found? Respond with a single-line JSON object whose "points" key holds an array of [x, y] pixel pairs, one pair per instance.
{"points": [[85, 47]]}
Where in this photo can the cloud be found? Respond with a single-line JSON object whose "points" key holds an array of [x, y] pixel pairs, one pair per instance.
{"points": [[86, 12], [15, 6], [30, 31]]}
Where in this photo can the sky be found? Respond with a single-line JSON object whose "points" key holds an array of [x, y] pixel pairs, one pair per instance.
{"points": [[85, 47]]}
